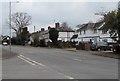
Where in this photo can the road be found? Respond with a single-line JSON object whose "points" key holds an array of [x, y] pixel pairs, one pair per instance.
{"points": [[52, 63]]}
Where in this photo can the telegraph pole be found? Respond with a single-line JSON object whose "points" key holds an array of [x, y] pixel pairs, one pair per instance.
{"points": [[10, 23], [10, 5]]}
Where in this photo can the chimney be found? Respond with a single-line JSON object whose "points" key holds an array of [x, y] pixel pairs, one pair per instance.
{"points": [[42, 29], [57, 25], [49, 27]]}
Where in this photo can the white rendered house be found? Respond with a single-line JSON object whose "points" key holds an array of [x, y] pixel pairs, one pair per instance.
{"points": [[93, 32]]}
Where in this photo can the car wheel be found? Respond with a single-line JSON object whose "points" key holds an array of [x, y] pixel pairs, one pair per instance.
{"points": [[98, 49], [111, 49], [104, 49]]}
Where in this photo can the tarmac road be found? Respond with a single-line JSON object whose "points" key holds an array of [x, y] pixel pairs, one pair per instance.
{"points": [[52, 63]]}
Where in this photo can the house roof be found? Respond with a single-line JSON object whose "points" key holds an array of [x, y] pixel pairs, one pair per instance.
{"points": [[98, 24], [36, 34], [85, 26], [102, 26]]}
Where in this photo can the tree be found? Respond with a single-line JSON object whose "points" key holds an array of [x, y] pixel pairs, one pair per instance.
{"points": [[64, 24], [20, 20], [112, 23], [24, 35], [53, 35], [65, 27]]}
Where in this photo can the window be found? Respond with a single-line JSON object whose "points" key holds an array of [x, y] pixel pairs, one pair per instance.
{"points": [[104, 32], [95, 30], [84, 32], [80, 32]]}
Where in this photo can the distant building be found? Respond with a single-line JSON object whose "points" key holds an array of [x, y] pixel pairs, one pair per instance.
{"points": [[93, 32], [35, 35], [65, 33]]}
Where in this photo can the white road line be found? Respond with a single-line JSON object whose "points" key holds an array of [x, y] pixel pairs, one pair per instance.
{"points": [[78, 60], [26, 60], [34, 63], [84, 61], [69, 77]]}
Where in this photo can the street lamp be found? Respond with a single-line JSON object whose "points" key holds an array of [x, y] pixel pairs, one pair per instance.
{"points": [[10, 4], [10, 23]]}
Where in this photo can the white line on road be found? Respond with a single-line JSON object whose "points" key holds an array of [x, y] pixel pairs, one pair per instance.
{"points": [[34, 63], [26, 60], [78, 60], [84, 61], [69, 77]]}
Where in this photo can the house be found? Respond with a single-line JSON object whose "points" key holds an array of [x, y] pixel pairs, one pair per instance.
{"points": [[33, 36], [65, 34], [93, 32]]}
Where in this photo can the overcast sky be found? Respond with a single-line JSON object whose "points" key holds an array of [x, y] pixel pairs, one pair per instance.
{"points": [[45, 14]]}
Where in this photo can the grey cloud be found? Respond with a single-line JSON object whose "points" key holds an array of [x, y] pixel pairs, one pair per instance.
{"points": [[44, 13]]}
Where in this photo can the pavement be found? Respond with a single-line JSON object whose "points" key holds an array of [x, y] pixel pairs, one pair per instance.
{"points": [[108, 54], [6, 54], [0, 62]]}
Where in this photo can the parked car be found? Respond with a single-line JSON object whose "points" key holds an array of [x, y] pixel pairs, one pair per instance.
{"points": [[5, 43], [116, 48], [101, 46]]}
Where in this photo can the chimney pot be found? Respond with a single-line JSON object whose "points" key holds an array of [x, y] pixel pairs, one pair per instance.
{"points": [[57, 25]]}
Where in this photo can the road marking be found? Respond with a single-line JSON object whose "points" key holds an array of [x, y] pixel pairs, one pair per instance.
{"points": [[26, 60], [78, 60], [34, 63], [69, 77], [84, 61], [30, 61]]}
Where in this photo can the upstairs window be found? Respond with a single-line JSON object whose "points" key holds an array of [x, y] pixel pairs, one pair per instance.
{"points": [[80, 32], [95, 31], [84, 31], [104, 32]]}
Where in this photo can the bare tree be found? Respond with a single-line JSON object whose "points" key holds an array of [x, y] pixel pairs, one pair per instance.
{"points": [[64, 24], [65, 27], [20, 20]]}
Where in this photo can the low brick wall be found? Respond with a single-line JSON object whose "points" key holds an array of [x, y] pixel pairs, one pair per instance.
{"points": [[64, 44], [83, 46]]}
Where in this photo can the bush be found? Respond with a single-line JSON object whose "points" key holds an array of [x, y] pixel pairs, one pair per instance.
{"points": [[14, 40], [42, 43], [36, 42]]}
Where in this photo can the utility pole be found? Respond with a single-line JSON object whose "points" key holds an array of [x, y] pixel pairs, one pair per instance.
{"points": [[10, 5], [10, 23]]}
